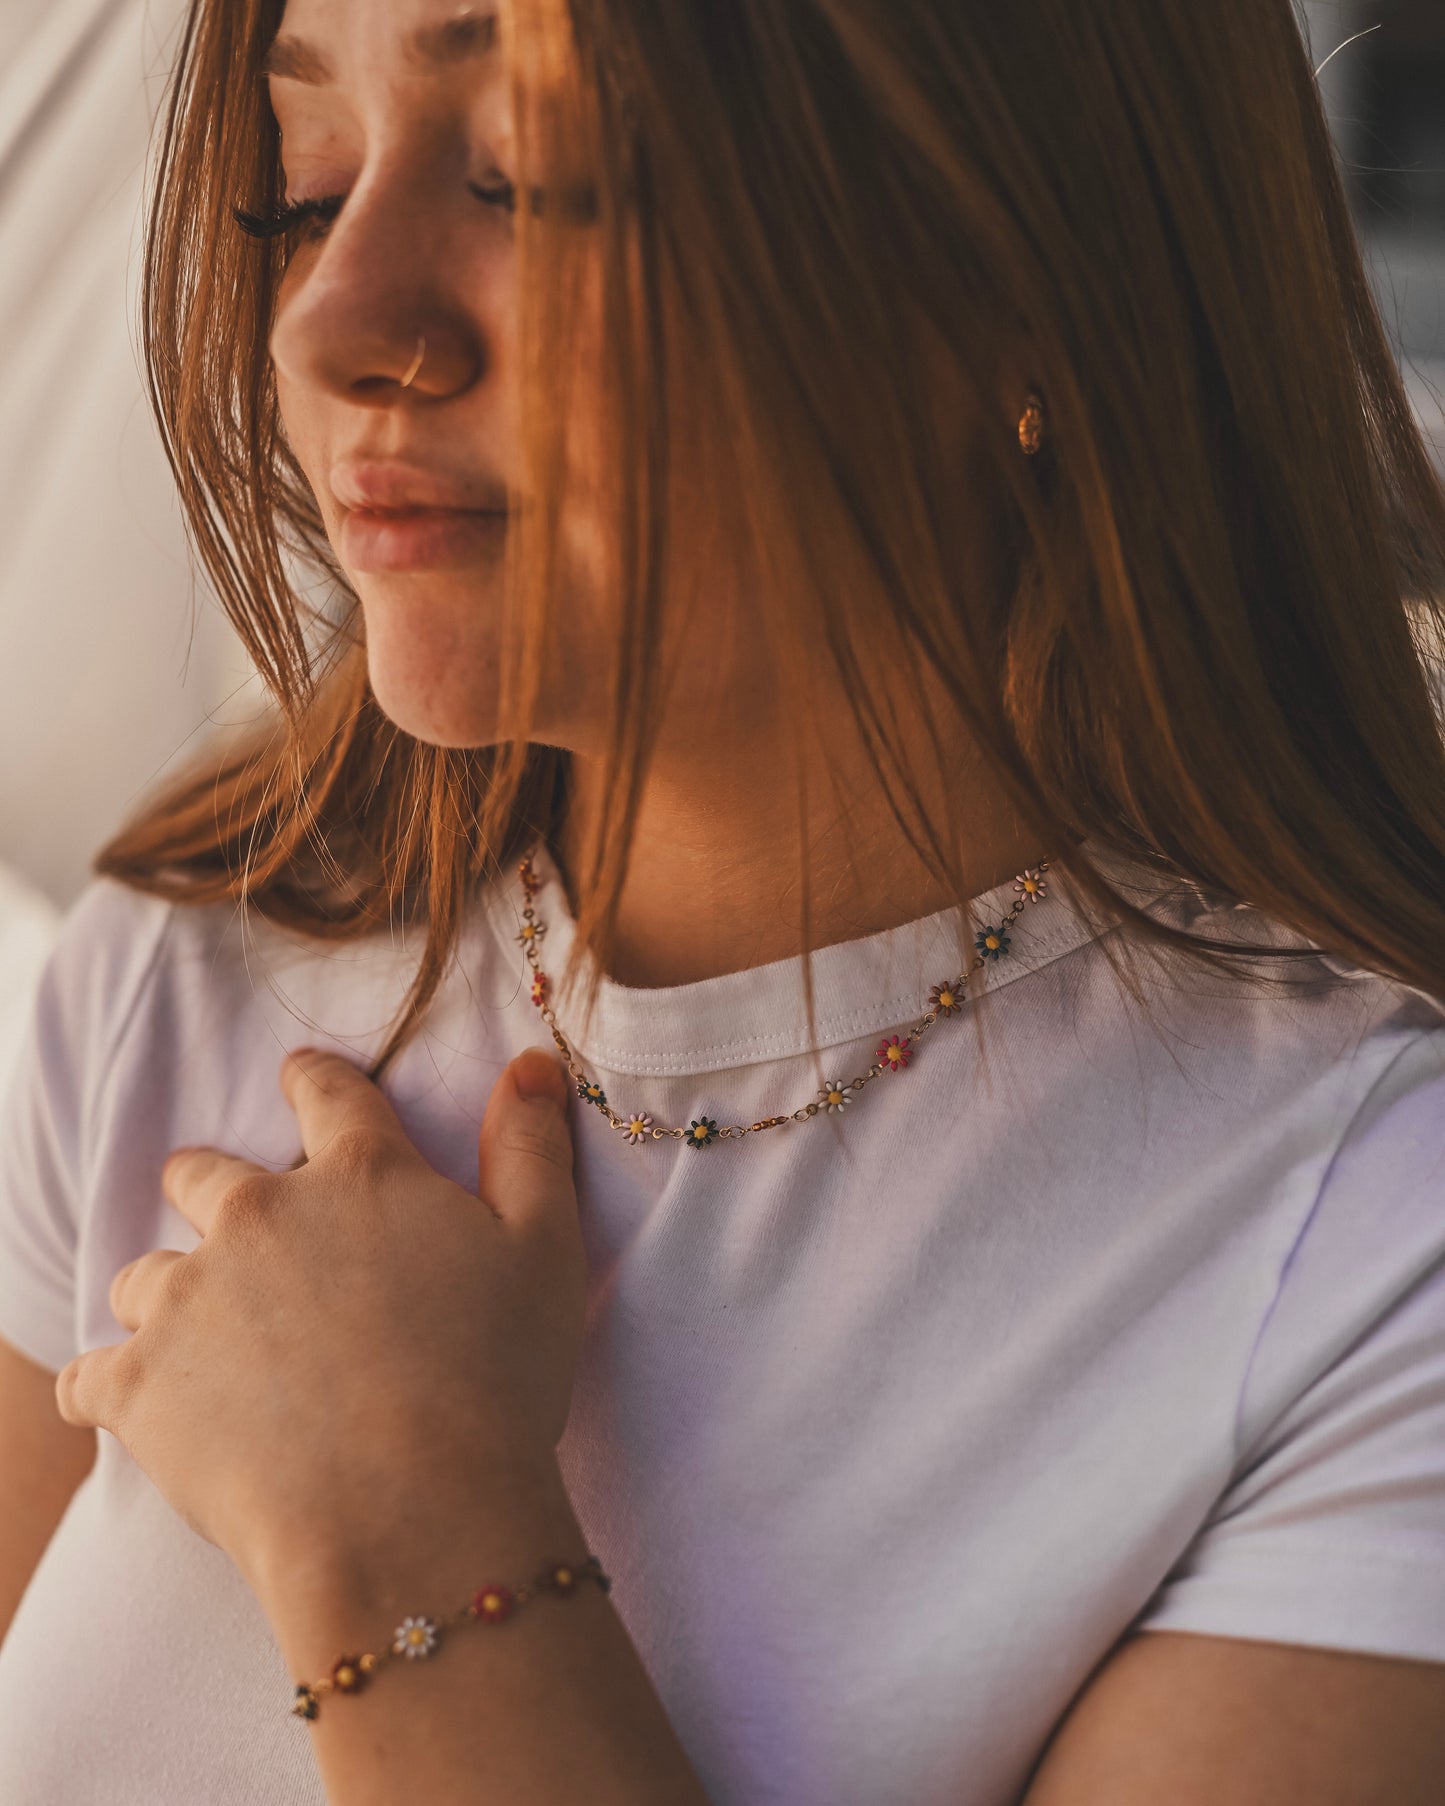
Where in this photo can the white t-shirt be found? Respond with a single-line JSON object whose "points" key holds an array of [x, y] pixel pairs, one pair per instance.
{"points": [[887, 1426], [28, 925]]}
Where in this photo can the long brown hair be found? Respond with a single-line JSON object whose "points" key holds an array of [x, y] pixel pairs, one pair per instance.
{"points": [[1193, 630]]}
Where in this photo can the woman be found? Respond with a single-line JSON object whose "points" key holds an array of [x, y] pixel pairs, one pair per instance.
{"points": [[824, 521]]}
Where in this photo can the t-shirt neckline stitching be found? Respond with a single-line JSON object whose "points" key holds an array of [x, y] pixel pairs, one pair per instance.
{"points": [[837, 1026]]}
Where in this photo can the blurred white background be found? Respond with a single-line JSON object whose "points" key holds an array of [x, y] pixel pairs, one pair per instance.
{"points": [[113, 660]]}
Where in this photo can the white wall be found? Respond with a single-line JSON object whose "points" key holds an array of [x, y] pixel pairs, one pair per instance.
{"points": [[107, 670]]}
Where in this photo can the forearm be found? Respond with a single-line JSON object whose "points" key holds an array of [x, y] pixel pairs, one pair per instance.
{"points": [[551, 1708]]}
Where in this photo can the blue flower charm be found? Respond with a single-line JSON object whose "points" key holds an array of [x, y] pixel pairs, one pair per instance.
{"points": [[992, 943], [702, 1133], [592, 1093]]}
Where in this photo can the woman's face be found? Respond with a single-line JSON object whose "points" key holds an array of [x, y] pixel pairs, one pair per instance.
{"points": [[395, 345]]}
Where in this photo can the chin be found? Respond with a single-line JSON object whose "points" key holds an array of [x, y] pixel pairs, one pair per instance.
{"points": [[439, 702], [434, 666], [437, 719]]}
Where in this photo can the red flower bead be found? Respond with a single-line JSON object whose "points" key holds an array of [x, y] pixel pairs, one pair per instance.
{"points": [[493, 1604], [895, 1054]]}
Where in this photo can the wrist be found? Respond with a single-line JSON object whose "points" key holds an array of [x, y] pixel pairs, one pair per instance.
{"points": [[354, 1573]]}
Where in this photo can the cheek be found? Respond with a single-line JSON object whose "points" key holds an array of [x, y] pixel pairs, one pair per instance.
{"points": [[303, 422]]}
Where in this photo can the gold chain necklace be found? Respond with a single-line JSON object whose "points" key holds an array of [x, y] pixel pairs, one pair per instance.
{"points": [[945, 999]]}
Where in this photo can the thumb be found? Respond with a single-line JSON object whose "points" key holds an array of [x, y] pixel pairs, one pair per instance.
{"points": [[525, 1144]]}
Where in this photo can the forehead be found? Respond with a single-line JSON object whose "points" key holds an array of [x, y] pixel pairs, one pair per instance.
{"points": [[318, 40]]}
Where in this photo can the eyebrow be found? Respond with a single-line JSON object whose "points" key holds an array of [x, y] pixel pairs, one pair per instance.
{"points": [[467, 36]]}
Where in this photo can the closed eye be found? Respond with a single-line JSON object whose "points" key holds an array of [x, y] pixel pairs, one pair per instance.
{"points": [[319, 212], [578, 200], [499, 192], [286, 219]]}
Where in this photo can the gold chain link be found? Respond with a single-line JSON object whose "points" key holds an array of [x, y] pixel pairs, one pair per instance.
{"points": [[531, 885]]}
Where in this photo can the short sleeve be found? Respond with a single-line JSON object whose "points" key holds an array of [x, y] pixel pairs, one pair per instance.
{"points": [[76, 1016], [1331, 1531], [28, 923]]}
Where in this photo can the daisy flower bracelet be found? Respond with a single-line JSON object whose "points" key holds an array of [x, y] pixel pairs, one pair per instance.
{"points": [[417, 1638]]}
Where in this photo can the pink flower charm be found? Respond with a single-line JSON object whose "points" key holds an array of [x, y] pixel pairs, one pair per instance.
{"points": [[539, 989], [895, 1054], [638, 1127], [1030, 884]]}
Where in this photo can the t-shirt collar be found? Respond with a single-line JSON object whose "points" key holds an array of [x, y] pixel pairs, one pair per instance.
{"points": [[879, 983]]}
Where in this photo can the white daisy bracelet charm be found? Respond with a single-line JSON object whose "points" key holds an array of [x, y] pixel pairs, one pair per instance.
{"points": [[417, 1638], [893, 1055], [414, 1637]]}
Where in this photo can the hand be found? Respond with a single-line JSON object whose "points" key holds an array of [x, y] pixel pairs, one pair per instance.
{"points": [[358, 1336]]}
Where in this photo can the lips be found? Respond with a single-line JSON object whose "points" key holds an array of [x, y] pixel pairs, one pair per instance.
{"points": [[410, 517], [391, 486]]}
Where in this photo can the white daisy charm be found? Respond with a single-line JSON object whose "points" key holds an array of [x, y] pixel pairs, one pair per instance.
{"points": [[414, 1637], [532, 932], [835, 1095], [638, 1127]]}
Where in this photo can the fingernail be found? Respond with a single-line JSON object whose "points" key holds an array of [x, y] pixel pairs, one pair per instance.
{"points": [[536, 1074]]}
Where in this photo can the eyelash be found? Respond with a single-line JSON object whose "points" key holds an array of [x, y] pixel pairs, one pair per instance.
{"points": [[324, 209]]}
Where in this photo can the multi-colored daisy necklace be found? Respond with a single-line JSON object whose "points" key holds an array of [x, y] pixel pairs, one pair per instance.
{"points": [[893, 1055]]}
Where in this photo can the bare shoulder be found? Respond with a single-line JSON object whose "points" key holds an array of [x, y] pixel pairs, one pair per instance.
{"points": [[1203, 1720]]}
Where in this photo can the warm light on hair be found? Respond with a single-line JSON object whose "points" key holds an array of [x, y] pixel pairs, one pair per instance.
{"points": [[1182, 629]]}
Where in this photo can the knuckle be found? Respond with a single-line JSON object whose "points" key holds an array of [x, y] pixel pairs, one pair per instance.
{"points": [[90, 1390], [178, 1282], [124, 1374], [67, 1392], [358, 1149], [245, 1202], [530, 1142], [115, 1297]]}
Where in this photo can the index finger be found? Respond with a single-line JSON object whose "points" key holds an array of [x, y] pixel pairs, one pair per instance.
{"points": [[330, 1096]]}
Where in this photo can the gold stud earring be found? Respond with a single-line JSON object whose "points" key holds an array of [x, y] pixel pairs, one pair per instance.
{"points": [[1032, 427]]}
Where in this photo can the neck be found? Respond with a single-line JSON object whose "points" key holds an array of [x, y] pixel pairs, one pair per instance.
{"points": [[716, 889]]}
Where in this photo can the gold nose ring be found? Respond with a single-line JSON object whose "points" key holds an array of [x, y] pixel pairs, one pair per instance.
{"points": [[416, 364]]}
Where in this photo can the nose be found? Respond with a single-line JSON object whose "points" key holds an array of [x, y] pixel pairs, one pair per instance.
{"points": [[385, 307]]}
